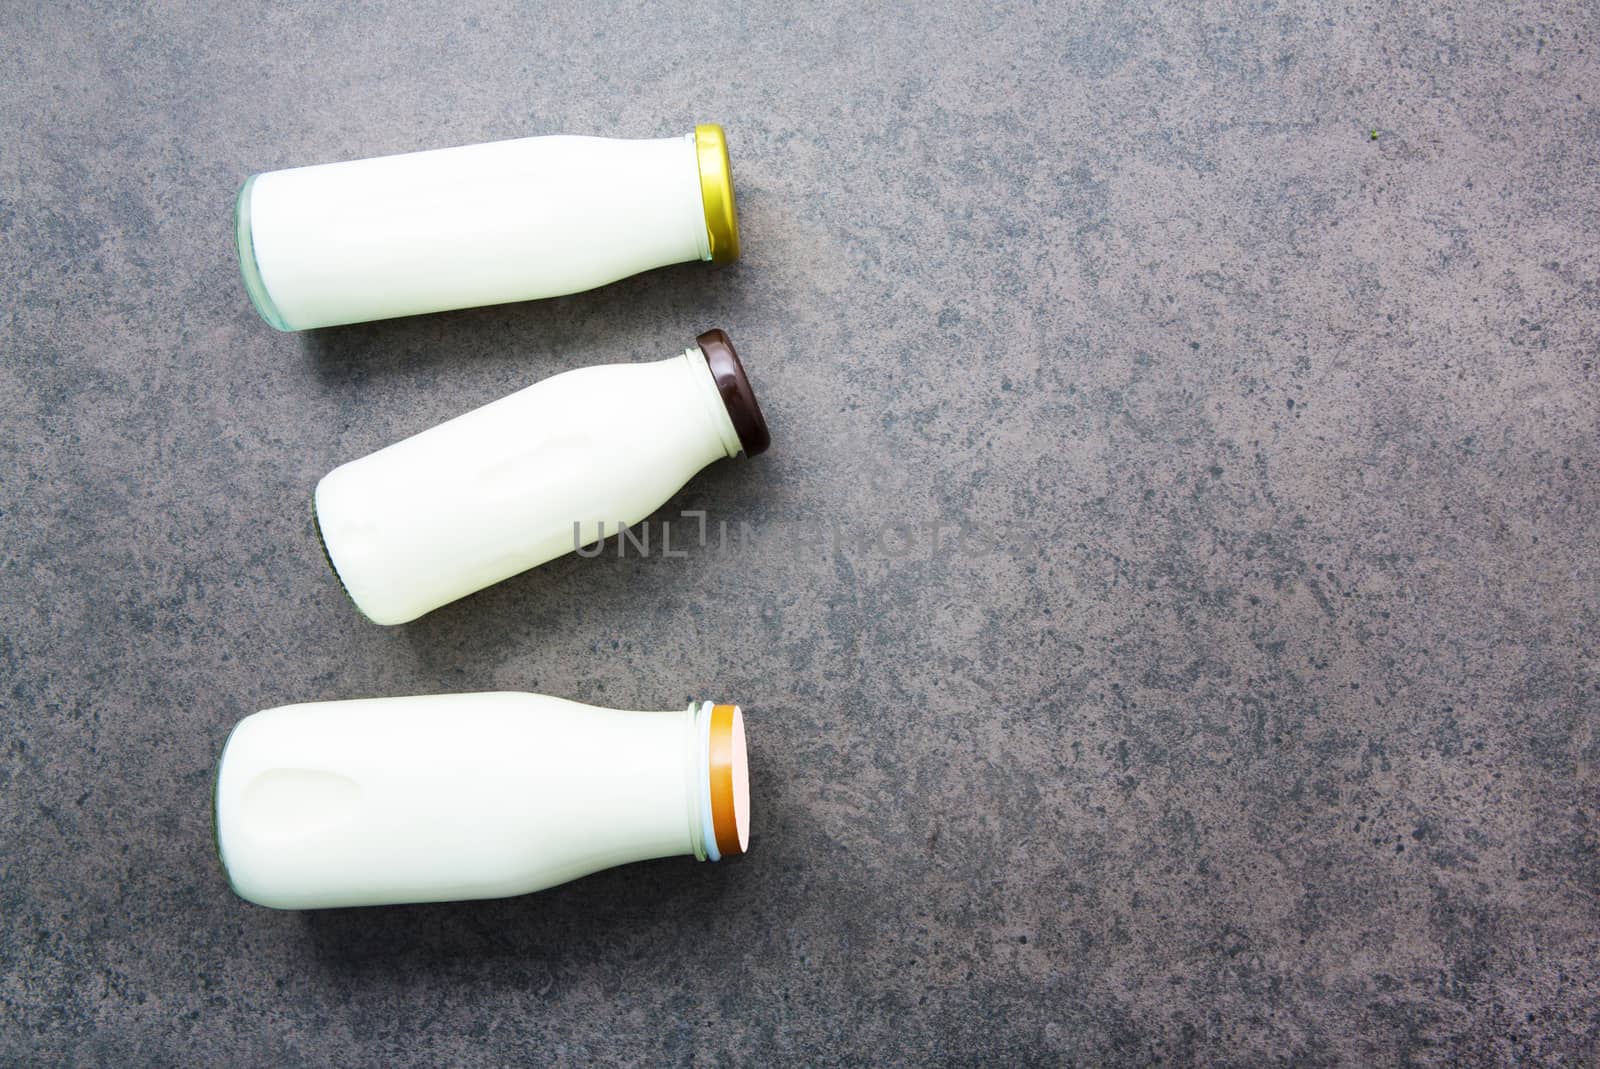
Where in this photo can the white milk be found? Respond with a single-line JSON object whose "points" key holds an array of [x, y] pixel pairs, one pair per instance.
{"points": [[499, 490], [481, 224], [432, 799]]}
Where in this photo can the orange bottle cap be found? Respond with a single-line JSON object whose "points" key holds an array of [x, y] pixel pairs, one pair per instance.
{"points": [[730, 780]]}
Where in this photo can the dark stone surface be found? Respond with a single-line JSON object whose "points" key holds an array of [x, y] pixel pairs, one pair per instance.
{"points": [[1261, 729]]}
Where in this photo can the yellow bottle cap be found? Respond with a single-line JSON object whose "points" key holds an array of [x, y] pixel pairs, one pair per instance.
{"points": [[716, 191]]}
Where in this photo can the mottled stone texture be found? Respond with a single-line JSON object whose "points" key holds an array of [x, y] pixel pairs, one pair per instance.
{"points": [[1253, 723]]}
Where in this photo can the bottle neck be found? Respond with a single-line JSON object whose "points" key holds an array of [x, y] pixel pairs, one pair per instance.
{"points": [[627, 788], [697, 775], [719, 782], [709, 776], [697, 202], [712, 409]]}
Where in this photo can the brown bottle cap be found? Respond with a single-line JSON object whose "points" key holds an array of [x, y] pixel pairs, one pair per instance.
{"points": [[734, 387], [730, 780]]}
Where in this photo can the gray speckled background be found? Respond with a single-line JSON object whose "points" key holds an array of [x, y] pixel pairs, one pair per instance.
{"points": [[1259, 729]]}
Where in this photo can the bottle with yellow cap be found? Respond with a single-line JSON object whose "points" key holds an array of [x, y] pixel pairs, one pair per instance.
{"points": [[434, 799], [480, 224]]}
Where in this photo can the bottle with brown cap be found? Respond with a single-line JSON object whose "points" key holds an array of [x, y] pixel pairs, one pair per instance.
{"points": [[434, 799], [531, 477], [480, 224]]}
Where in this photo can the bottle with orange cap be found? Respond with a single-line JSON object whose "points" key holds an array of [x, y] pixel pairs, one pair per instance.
{"points": [[480, 224], [447, 797]]}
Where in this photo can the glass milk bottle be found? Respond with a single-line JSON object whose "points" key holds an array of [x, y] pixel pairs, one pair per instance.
{"points": [[531, 477], [455, 796], [480, 224]]}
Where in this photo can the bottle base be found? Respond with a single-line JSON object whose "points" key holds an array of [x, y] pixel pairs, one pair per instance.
{"points": [[244, 243], [322, 543]]}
